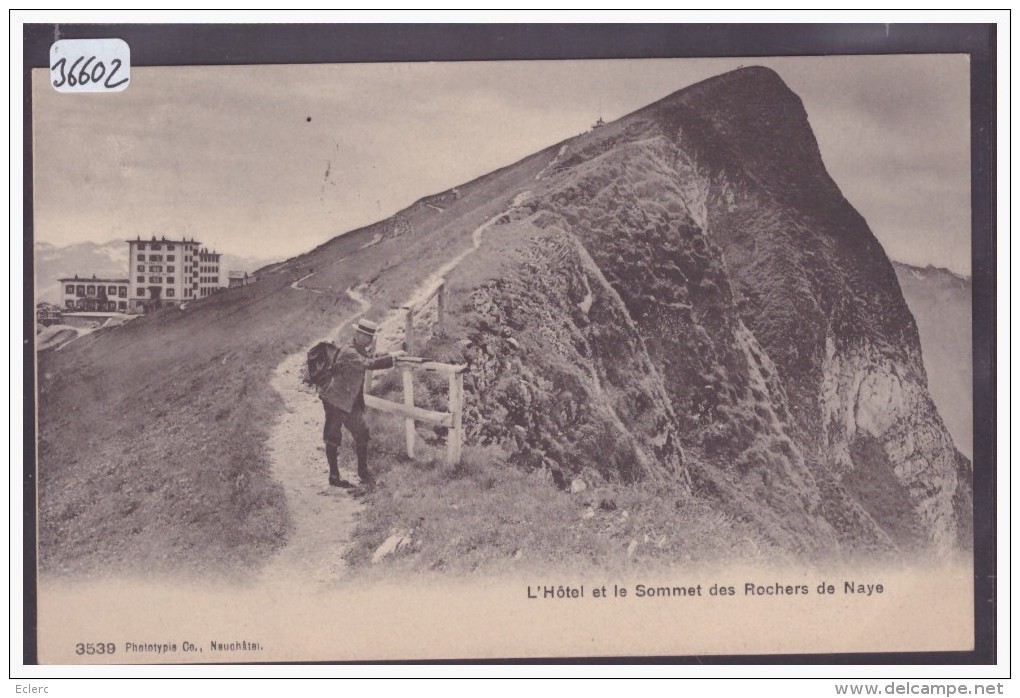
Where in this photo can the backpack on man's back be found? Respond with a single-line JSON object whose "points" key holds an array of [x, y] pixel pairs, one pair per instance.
{"points": [[319, 363]]}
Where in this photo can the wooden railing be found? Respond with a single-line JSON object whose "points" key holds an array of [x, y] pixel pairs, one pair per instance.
{"points": [[439, 293], [451, 419]]}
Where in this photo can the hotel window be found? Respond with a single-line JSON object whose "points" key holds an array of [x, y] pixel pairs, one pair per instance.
{"points": [[170, 257], [69, 289], [169, 293], [169, 247], [170, 268], [141, 292], [141, 258], [169, 279], [141, 280], [141, 267], [123, 292], [91, 290], [155, 258], [141, 245], [79, 291], [69, 304], [121, 305], [111, 291], [156, 246]]}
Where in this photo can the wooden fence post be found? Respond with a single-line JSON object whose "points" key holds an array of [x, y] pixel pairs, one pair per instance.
{"points": [[408, 380], [455, 436], [452, 419], [441, 308], [409, 330]]}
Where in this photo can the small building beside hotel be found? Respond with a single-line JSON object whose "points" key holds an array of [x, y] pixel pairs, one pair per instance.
{"points": [[236, 279], [95, 294]]}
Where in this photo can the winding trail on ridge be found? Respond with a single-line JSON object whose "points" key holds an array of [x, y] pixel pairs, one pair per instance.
{"points": [[391, 329], [324, 516]]}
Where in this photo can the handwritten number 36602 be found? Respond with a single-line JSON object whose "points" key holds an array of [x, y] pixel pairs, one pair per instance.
{"points": [[83, 76]]}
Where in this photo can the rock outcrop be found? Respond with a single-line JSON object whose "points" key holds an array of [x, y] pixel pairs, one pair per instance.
{"points": [[687, 294]]}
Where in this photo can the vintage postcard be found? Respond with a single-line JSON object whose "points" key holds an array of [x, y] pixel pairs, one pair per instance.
{"points": [[503, 359]]}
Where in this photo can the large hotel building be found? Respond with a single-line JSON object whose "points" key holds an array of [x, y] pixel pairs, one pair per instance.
{"points": [[170, 271], [160, 272]]}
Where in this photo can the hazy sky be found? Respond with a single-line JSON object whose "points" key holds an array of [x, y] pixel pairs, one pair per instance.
{"points": [[228, 155]]}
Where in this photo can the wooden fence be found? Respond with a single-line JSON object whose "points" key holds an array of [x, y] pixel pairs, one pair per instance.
{"points": [[452, 418], [410, 311]]}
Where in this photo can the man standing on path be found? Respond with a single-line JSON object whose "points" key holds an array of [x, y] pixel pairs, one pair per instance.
{"points": [[343, 398]]}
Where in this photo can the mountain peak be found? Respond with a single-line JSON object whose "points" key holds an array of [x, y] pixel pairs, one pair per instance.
{"points": [[749, 120], [731, 88], [754, 76]]}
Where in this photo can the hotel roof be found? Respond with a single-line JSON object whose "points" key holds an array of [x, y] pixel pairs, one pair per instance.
{"points": [[163, 238], [93, 280]]}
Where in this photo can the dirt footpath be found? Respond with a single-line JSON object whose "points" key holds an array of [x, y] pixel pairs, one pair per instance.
{"points": [[323, 516]]}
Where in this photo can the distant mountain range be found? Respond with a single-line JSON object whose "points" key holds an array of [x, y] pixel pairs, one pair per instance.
{"points": [[941, 303], [106, 259]]}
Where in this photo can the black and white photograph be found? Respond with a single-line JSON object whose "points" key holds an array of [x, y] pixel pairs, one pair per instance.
{"points": [[490, 359]]}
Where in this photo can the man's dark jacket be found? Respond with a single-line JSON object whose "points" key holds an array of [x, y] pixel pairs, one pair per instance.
{"points": [[348, 379]]}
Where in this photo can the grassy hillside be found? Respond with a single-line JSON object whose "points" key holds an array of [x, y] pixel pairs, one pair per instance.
{"points": [[152, 435], [488, 516]]}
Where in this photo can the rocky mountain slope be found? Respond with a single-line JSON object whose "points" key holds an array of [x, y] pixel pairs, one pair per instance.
{"points": [[680, 297], [768, 336], [941, 304]]}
